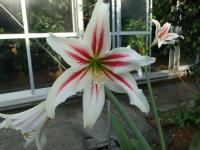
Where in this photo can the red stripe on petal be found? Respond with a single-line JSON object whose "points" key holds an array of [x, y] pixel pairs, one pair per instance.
{"points": [[69, 79], [121, 79], [116, 63], [114, 56], [81, 51], [164, 31], [108, 75], [97, 92], [92, 88], [76, 58], [81, 77], [94, 38], [101, 38]]}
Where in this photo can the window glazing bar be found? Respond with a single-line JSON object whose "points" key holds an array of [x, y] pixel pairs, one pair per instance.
{"points": [[25, 22], [118, 14], [35, 35], [79, 4], [73, 15], [150, 23], [131, 33], [113, 23]]}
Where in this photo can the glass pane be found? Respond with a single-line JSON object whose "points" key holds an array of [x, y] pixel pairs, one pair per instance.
{"points": [[7, 23], [136, 42], [13, 66], [133, 15], [88, 6], [45, 69], [162, 58], [49, 16]]}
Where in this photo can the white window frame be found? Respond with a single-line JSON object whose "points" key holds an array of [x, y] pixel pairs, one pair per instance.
{"points": [[34, 95]]}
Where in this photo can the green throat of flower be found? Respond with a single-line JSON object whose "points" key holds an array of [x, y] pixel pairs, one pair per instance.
{"points": [[96, 66]]}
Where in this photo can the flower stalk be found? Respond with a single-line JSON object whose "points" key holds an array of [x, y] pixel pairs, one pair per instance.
{"points": [[154, 109], [127, 119], [153, 103]]}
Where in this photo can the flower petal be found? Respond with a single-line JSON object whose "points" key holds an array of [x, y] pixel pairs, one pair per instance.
{"points": [[164, 30], [98, 29], [111, 84], [127, 82], [122, 59], [70, 82], [31, 123], [72, 50], [157, 24], [93, 102], [160, 42], [169, 38]]}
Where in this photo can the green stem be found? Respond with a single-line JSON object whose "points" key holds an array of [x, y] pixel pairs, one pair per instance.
{"points": [[154, 109], [127, 119]]}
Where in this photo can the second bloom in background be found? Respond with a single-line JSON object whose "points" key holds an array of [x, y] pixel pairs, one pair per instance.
{"points": [[162, 35]]}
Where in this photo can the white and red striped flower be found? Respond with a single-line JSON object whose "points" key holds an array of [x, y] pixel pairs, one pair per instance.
{"points": [[162, 35], [94, 66]]}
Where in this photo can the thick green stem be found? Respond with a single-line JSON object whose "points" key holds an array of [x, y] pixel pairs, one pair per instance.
{"points": [[154, 109], [127, 119]]}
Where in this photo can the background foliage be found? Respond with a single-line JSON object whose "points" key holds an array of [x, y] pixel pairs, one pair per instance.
{"points": [[186, 15]]}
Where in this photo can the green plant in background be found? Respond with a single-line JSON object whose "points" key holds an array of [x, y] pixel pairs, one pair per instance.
{"points": [[194, 74], [187, 117], [133, 24], [1, 30], [12, 58], [42, 20], [88, 5], [137, 42], [189, 12], [39, 55]]}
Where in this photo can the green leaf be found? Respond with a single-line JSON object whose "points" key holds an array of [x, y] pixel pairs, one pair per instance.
{"points": [[124, 142], [136, 144], [195, 144]]}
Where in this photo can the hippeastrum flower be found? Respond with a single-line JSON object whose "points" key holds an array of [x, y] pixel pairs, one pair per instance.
{"points": [[31, 123], [162, 35], [94, 66]]}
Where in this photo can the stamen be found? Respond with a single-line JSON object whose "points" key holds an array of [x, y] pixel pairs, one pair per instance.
{"points": [[98, 77], [27, 135]]}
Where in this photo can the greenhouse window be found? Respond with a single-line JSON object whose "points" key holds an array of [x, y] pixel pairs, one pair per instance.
{"points": [[26, 68]]}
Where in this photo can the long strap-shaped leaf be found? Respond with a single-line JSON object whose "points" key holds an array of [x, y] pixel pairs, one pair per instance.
{"points": [[127, 119], [124, 142]]}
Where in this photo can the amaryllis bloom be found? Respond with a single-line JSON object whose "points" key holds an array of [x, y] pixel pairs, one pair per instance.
{"points": [[94, 66], [162, 35], [31, 123]]}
